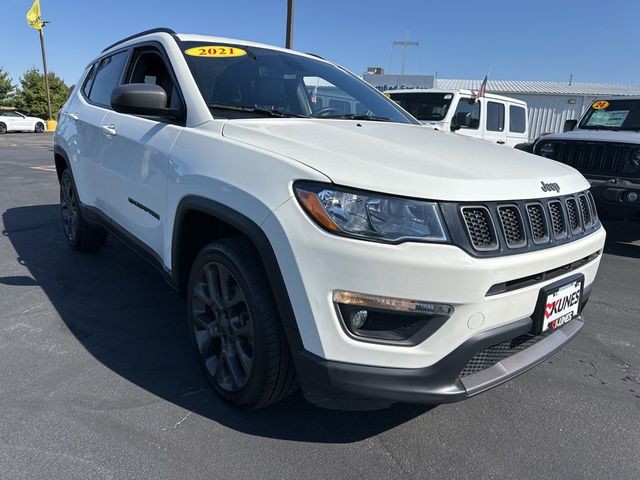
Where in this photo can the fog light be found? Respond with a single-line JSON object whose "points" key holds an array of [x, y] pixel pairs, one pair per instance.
{"points": [[389, 320], [631, 197], [358, 319]]}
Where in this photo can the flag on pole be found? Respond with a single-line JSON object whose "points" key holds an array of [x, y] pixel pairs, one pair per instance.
{"points": [[483, 88], [34, 17]]}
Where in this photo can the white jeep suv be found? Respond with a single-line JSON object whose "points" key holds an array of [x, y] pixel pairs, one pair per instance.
{"points": [[321, 235]]}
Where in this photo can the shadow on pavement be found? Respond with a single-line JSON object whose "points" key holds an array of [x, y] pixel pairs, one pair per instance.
{"points": [[123, 313], [620, 236]]}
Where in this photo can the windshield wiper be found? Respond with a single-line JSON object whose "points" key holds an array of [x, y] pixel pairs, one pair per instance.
{"points": [[272, 112], [353, 116]]}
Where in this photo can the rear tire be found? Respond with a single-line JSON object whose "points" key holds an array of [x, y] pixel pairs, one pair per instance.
{"points": [[80, 235], [234, 326], [39, 127]]}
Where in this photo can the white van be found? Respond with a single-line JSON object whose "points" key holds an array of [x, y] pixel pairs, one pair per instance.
{"points": [[494, 118]]}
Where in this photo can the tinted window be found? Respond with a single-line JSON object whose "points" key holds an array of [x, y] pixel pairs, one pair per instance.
{"points": [[424, 106], [10, 114], [107, 78], [467, 114], [86, 88], [517, 119], [247, 77], [149, 67], [495, 117], [615, 114]]}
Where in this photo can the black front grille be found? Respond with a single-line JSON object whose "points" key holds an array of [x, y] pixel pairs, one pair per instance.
{"points": [[585, 211], [480, 228], [557, 219], [497, 228], [573, 214], [512, 227], [492, 355], [538, 221], [594, 158]]}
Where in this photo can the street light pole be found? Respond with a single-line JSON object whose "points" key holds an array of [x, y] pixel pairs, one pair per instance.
{"points": [[289, 41]]}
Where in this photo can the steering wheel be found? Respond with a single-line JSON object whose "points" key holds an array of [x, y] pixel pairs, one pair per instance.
{"points": [[324, 111]]}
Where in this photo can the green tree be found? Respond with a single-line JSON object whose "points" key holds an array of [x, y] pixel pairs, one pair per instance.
{"points": [[31, 97], [7, 89]]}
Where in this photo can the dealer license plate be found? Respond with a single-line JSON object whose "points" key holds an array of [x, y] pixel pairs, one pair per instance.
{"points": [[561, 305]]}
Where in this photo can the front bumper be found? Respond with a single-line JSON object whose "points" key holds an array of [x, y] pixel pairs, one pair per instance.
{"points": [[315, 264], [622, 194], [347, 386]]}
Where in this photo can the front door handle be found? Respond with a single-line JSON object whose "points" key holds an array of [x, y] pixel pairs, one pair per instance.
{"points": [[501, 142], [73, 116], [109, 130]]}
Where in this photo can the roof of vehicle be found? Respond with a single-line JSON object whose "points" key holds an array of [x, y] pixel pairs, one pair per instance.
{"points": [[462, 91], [190, 37], [542, 88]]}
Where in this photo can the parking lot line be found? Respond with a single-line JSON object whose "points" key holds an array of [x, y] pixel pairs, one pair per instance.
{"points": [[46, 168]]}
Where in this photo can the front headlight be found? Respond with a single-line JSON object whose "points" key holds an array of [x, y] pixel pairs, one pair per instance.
{"points": [[547, 150], [369, 215], [635, 158]]}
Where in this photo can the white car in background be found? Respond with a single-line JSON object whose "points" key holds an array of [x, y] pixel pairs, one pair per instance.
{"points": [[493, 118], [12, 121]]}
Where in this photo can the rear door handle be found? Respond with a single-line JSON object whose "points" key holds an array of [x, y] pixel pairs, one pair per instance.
{"points": [[501, 142], [109, 130], [73, 116]]}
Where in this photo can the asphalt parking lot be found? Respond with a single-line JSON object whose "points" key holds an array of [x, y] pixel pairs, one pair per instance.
{"points": [[97, 378]]}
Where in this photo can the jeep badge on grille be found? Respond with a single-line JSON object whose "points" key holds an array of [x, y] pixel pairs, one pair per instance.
{"points": [[550, 187]]}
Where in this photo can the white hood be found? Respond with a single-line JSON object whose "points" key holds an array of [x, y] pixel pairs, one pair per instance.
{"points": [[408, 160]]}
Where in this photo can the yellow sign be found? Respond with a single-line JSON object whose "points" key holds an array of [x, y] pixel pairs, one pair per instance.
{"points": [[34, 17], [215, 51], [600, 105], [388, 95]]}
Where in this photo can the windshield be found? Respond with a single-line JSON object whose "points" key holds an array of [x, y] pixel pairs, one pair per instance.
{"points": [[424, 106], [612, 115], [238, 81]]}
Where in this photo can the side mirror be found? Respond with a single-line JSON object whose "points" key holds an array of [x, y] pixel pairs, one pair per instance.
{"points": [[454, 126], [569, 125], [142, 99]]}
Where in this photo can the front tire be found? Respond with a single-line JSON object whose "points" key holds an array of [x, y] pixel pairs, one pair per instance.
{"points": [[234, 326], [3, 128], [80, 235], [39, 127]]}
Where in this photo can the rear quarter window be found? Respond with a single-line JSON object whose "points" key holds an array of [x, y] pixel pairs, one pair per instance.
{"points": [[495, 117], [517, 119], [107, 78]]}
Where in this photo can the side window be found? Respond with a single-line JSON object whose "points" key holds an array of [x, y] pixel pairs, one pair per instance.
{"points": [[517, 119], [88, 82], [467, 114], [107, 77], [495, 117], [148, 66]]}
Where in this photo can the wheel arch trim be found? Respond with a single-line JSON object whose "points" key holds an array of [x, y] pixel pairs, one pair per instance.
{"points": [[260, 241]]}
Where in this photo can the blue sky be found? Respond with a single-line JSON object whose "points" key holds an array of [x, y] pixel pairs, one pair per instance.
{"points": [[520, 39]]}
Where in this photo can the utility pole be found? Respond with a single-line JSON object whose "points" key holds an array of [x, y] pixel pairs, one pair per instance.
{"points": [[405, 44], [289, 41], [46, 71]]}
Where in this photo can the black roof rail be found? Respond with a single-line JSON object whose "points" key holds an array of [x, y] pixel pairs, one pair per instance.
{"points": [[146, 32]]}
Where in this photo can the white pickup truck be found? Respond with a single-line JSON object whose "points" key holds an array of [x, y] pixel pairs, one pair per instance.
{"points": [[493, 118]]}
